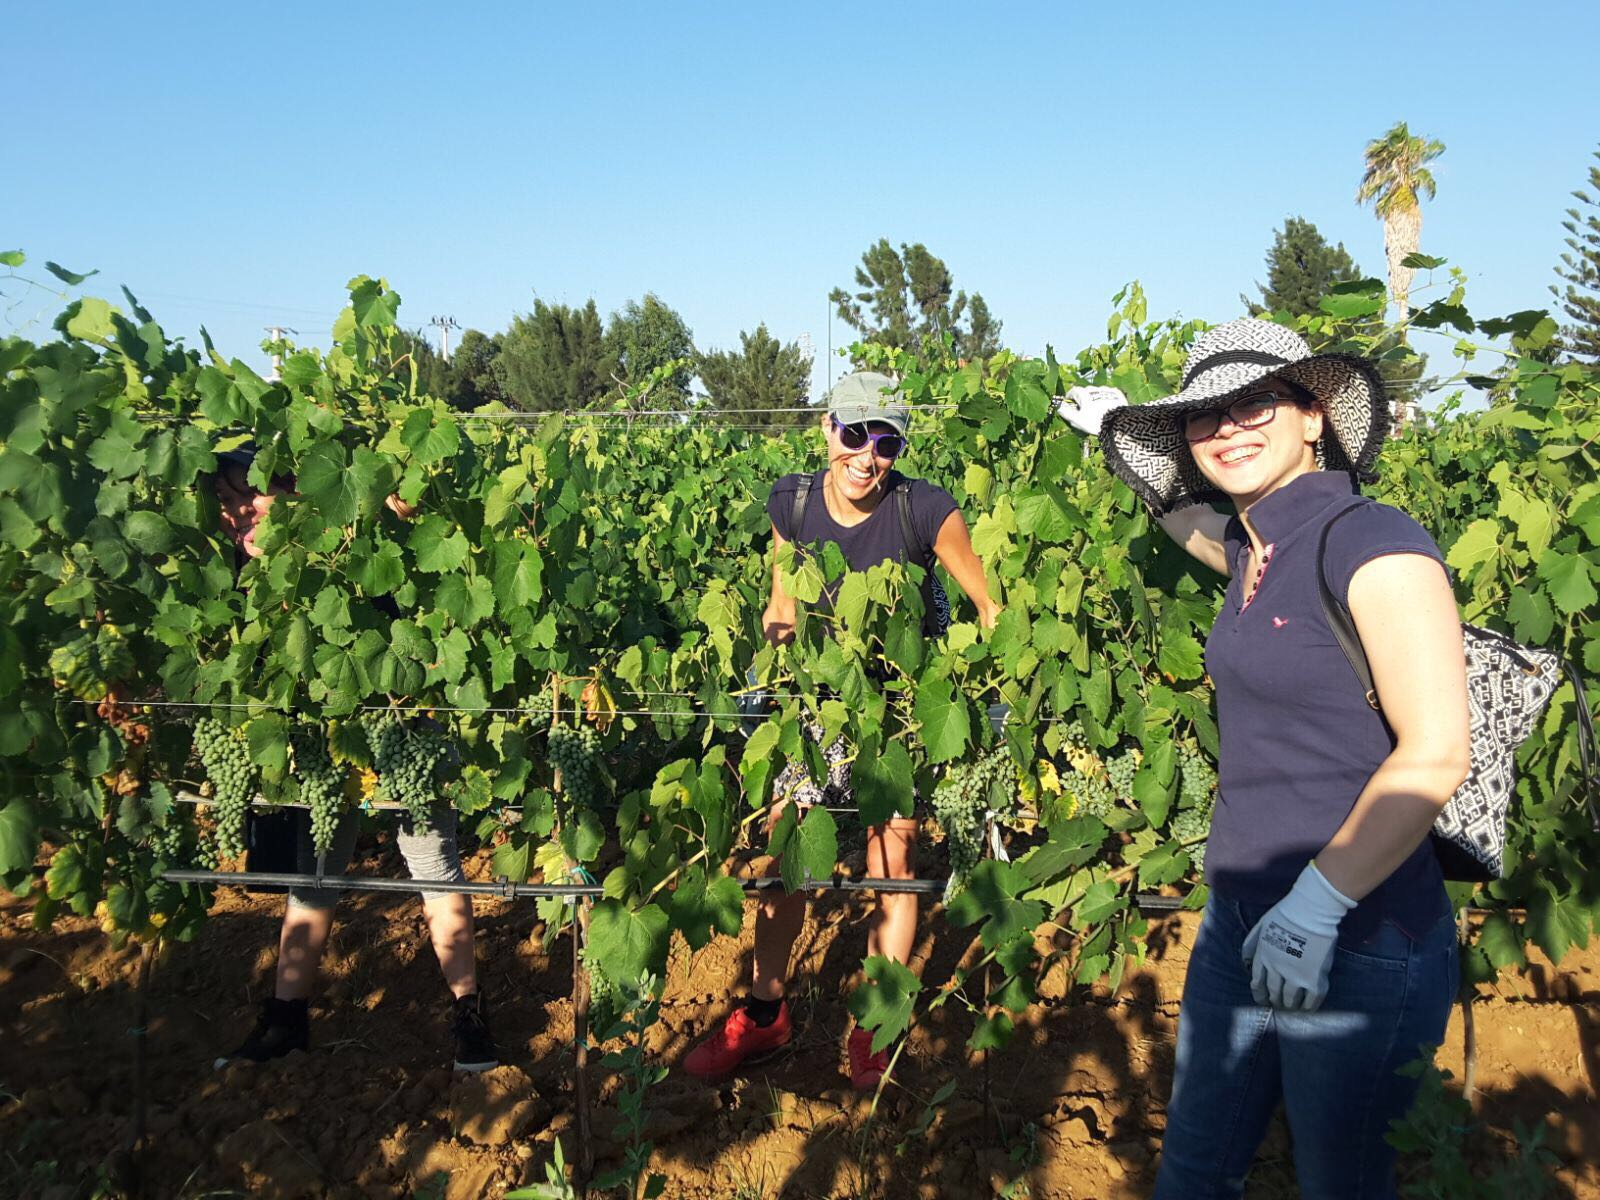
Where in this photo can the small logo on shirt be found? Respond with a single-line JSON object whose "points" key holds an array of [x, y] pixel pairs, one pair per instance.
{"points": [[1279, 622]]}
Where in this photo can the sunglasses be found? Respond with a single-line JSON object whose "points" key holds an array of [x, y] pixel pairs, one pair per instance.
{"points": [[1247, 412], [855, 437]]}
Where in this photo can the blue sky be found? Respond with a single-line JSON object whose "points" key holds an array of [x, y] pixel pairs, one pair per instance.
{"points": [[235, 164]]}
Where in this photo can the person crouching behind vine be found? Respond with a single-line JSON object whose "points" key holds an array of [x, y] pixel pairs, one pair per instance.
{"points": [[874, 514], [1327, 954], [430, 852]]}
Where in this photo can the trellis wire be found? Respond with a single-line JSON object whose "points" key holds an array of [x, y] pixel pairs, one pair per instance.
{"points": [[507, 890]]}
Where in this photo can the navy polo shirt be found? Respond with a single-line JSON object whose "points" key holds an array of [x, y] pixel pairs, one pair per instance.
{"points": [[1298, 739]]}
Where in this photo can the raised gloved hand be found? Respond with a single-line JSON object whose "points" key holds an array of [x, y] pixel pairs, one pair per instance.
{"points": [[1084, 408], [1290, 951]]}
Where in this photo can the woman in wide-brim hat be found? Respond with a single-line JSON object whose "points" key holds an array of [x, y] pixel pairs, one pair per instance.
{"points": [[1327, 953]]}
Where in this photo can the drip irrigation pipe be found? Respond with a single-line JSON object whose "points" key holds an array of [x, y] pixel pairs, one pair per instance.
{"points": [[506, 890]]}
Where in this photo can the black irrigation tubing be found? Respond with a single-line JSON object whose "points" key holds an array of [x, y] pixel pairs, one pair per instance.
{"points": [[506, 890]]}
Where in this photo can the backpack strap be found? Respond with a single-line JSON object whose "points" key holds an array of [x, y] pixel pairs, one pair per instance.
{"points": [[1344, 629], [915, 550], [802, 492]]}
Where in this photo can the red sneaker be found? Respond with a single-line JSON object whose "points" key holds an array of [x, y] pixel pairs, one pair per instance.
{"points": [[738, 1039], [866, 1068]]}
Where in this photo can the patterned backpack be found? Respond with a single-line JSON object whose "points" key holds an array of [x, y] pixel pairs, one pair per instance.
{"points": [[1508, 686]]}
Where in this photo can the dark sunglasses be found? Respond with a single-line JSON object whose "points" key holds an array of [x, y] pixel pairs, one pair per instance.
{"points": [[1247, 412], [855, 437]]}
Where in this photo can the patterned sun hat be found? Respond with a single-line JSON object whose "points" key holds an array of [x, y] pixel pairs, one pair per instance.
{"points": [[1144, 443]]}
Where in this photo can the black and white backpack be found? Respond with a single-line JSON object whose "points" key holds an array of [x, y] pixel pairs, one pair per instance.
{"points": [[1508, 687]]}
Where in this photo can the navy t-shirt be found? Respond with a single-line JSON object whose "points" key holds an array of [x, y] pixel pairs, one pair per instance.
{"points": [[877, 539], [1298, 739]]}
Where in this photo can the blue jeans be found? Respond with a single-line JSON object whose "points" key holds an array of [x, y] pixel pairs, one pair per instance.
{"points": [[1334, 1069]]}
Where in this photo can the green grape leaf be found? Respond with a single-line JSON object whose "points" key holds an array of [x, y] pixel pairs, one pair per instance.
{"points": [[885, 999], [1569, 580], [882, 779], [946, 726], [628, 942], [812, 850], [438, 545], [1480, 540], [995, 896]]}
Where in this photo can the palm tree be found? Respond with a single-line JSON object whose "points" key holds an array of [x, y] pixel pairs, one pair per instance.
{"points": [[1397, 176]]}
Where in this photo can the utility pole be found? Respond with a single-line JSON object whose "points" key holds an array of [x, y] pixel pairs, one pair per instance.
{"points": [[275, 338], [444, 325]]}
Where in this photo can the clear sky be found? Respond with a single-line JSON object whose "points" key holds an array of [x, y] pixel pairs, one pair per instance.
{"points": [[235, 164]]}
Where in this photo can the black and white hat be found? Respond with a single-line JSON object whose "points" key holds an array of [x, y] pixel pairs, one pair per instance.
{"points": [[1144, 443]]}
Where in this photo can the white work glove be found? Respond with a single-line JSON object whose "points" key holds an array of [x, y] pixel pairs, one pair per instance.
{"points": [[1290, 951], [1084, 408]]}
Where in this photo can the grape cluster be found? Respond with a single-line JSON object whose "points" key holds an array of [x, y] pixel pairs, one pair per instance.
{"points": [[607, 1000], [321, 782], [1197, 779], [961, 806], [226, 758], [1092, 795], [572, 752], [407, 761], [169, 843], [1120, 772], [1193, 823]]}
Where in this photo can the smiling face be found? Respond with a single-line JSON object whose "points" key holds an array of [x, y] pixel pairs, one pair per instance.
{"points": [[1249, 463], [857, 475]]}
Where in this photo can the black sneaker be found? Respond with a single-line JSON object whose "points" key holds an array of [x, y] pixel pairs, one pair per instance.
{"points": [[284, 1025], [474, 1045]]}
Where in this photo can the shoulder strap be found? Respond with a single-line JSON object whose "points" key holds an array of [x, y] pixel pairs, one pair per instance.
{"points": [[802, 492], [1344, 629], [915, 550]]}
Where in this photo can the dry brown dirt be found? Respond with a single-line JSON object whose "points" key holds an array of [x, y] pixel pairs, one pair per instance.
{"points": [[1075, 1104]]}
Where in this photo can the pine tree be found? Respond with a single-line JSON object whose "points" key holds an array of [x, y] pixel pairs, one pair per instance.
{"points": [[556, 357], [763, 374], [1580, 270], [1301, 267], [907, 299]]}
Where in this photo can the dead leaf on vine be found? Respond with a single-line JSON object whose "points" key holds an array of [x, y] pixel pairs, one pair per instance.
{"points": [[599, 705]]}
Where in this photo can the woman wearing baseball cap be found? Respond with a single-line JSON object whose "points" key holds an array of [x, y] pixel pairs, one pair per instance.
{"points": [[874, 514], [1327, 953]]}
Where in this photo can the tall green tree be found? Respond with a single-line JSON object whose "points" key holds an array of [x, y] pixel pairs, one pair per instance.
{"points": [[1395, 180], [762, 375], [556, 357], [1579, 270], [646, 334], [907, 299], [1301, 267], [477, 377]]}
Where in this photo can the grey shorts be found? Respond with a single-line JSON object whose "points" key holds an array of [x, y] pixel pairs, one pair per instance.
{"points": [[430, 853]]}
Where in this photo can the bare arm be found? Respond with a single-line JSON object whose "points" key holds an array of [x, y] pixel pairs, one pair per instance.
{"points": [[777, 622], [1200, 529], [953, 547], [1406, 616]]}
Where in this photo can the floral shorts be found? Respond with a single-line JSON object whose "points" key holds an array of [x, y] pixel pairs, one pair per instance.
{"points": [[794, 782]]}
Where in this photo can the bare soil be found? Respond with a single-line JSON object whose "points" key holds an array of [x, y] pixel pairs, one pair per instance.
{"points": [[1074, 1106]]}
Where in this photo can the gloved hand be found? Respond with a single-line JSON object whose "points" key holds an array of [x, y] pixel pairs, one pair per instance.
{"points": [[1290, 951], [1084, 408]]}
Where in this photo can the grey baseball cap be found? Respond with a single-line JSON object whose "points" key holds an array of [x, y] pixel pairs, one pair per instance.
{"points": [[867, 396]]}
